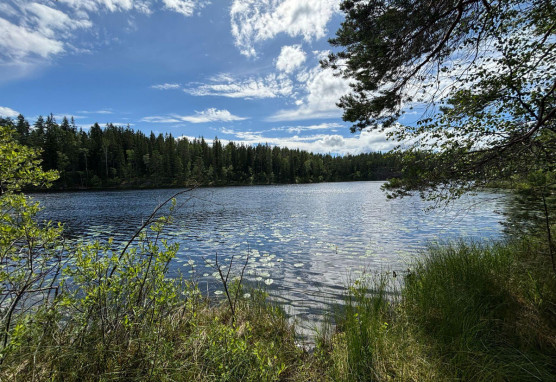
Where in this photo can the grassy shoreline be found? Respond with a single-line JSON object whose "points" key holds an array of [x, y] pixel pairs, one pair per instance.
{"points": [[467, 312]]}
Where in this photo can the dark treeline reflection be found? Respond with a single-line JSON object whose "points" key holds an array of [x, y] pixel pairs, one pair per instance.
{"points": [[119, 156]]}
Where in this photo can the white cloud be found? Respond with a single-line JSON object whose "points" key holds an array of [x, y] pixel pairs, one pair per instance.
{"points": [[364, 142], [51, 22], [224, 85], [18, 42], [290, 58], [212, 115], [323, 90], [7, 112], [298, 129], [109, 5], [258, 20], [160, 119], [185, 7], [166, 86], [208, 115], [43, 29]]}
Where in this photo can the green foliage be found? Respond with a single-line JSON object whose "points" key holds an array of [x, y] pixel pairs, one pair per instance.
{"points": [[84, 312], [485, 71], [94, 311], [20, 165], [120, 157], [30, 253]]}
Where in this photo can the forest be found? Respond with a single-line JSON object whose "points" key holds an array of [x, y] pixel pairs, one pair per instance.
{"points": [[119, 156]]}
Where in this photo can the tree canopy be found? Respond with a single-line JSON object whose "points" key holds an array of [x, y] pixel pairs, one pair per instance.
{"points": [[480, 73], [116, 156]]}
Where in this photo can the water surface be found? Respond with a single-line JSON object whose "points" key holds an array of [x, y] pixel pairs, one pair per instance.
{"points": [[304, 241]]}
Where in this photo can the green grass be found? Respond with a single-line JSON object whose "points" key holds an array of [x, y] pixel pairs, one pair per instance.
{"points": [[466, 312], [194, 343]]}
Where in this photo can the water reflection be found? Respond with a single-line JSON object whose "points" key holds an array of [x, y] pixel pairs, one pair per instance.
{"points": [[304, 241]]}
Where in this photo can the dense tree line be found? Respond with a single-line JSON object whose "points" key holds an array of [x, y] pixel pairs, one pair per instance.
{"points": [[116, 156]]}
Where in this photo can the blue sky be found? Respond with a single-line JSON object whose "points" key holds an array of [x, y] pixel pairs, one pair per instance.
{"points": [[241, 70]]}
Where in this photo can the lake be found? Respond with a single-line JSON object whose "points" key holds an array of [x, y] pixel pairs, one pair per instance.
{"points": [[305, 241]]}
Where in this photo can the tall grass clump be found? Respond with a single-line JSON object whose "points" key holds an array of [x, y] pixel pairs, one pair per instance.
{"points": [[372, 340], [488, 310], [365, 321], [466, 312]]}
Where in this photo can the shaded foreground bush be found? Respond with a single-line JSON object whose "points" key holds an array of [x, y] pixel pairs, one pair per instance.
{"points": [[466, 312], [195, 342]]}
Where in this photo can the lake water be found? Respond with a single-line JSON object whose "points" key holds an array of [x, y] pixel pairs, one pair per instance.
{"points": [[304, 241]]}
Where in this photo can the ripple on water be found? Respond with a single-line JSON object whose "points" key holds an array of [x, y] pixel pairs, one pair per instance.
{"points": [[303, 241]]}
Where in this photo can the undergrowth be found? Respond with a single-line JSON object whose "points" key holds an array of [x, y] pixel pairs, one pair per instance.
{"points": [[468, 312]]}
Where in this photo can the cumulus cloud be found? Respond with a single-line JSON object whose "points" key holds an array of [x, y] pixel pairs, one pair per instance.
{"points": [[322, 91], [258, 20], [290, 58], [42, 29], [7, 112], [18, 42], [225, 85], [208, 115], [166, 86], [366, 141]]}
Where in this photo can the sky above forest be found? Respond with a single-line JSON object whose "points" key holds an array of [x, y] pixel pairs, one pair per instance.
{"points": [[243, 70]]}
